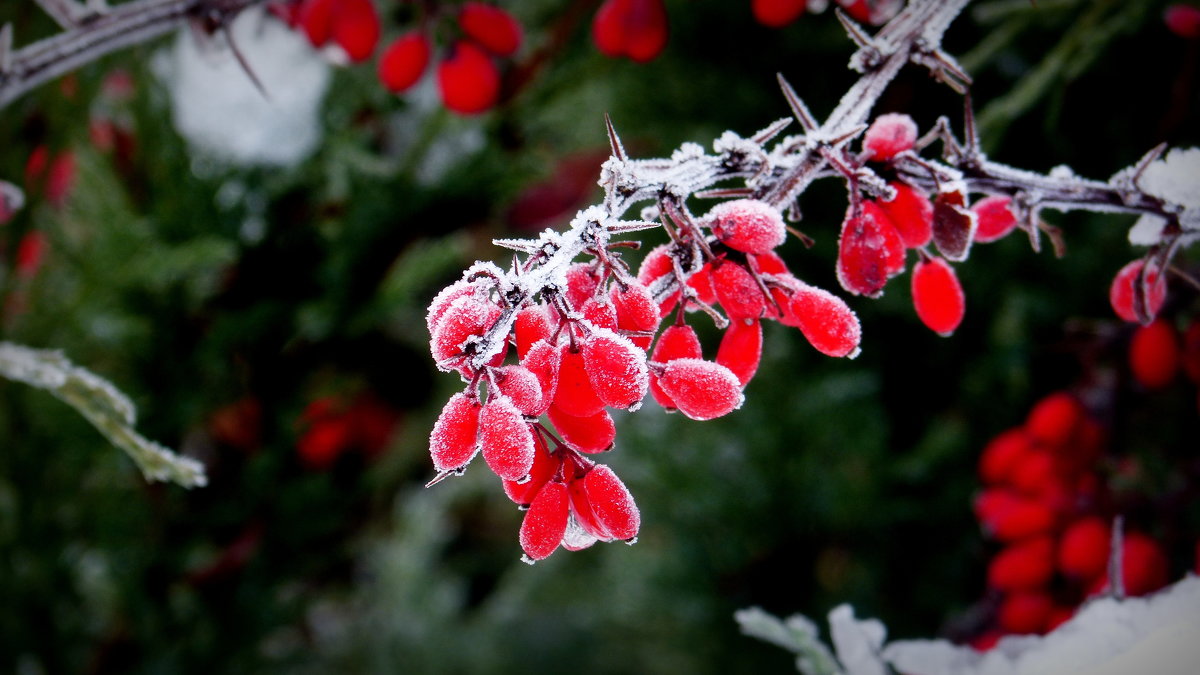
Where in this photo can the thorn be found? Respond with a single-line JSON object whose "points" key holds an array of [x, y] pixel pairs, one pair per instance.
{"points": [[798, 108], [1139, 168], [853, 29], [6, 41], [618, 150], [442, 475], [1116, 582], [241, 59], [724, 193], [858, 129], [771, 131], [970, 135]]}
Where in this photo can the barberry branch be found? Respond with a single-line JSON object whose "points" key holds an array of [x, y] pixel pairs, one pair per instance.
{"points": [[95, 30]]}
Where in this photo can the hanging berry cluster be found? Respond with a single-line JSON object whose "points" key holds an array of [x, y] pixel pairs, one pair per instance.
{"points": [[548, 346]]}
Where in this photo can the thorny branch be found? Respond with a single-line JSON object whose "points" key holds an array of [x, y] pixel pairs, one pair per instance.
{"points": [[95, 30], [780, 174]]}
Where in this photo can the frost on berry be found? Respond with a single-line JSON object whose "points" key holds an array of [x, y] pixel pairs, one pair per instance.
{"points": [[600, 313], [521, 385], [531, 325], [637, 312], [581, 284], [466, 317], [1083, 549], [777, 13], [633, 28], [890, 135], [1154, 354], [768, 263], [505, 439], [937, 295], [741, 348], [468, 79], [995, 218], [544, 467], [581, 509], [453, 443], [869, 251], [616, 369], [590, 434], [911, 214], [493, 28], [404, 61], [545, 522], [701, 389], [576, 538], [953, 225], [747, 225], [442, 301], [826, 321], [676, 342], [1026, 564], [737, 291], [1137, 293], [611, 503], [574, 394]]}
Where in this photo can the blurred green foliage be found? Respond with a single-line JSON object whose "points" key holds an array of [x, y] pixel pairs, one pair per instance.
{"points": [[193, 286]]}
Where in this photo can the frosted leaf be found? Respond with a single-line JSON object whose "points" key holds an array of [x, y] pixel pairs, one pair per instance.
{"points": [[747, 225], [612, 503], [857, 642], [616, 369], [453, 442], [585, 434], [545, 522], [505, 439], [1175, 177], [797, 634], [576, 538], [1147, 231], [701, 389]]}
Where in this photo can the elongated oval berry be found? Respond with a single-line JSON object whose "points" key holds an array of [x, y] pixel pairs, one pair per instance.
{"points": [[637, 312], [748, 225], [575, 395], [404, 61], [1054, 420], [522, 386], [616, 369], [466, 317], [493, 28], [505, 439], [531, 325], [777, 13], [316, 18], [633, 28], [1001, 454], [1083, 549], [453, 442], [1023, 565], [656, 264], [612, 503], [545, 522], [889, 135], [995, 218], [544, 467], [581, 509], [911, 214], [1154, 354], [356, 28], [442, 301], [543, 360], [1129, 283], [869, 249], [702, 390], [582, 282], [826, 321], [768, 263], [600, 312], [585, 434], [468, 79], [741, 348], [701, 282], [676, 342], [737, 291], [937, 296], [1025, 612]]}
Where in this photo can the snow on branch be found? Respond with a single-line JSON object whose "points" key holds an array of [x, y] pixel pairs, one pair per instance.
{"points": [[110, 411]]}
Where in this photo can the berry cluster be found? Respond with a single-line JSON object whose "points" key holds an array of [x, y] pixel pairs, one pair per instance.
{"points": [[590, 341], [332, 426]]}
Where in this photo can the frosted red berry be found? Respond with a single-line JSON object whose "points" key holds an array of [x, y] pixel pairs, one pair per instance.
{"points": [[937, 295], [1183, 20], [889, 135], [826, 321], [675, 342], [453, 441], [616, 369], [404, 61], [700, 389], [1154, 354], [442, 301], [531, 325], [777, 13], [492, 27], [466, 317], [545, 522], [505, 440], [575, 395], [612, 504], [468, 79], [1083, 549], [1129, 283], [543, 469], [869, 251], [994, 218], [747, 225], [582, 283], [594, 433], [637, 313], [633, 28], [522, 386], [737, 291], [911, 213], [543, 360], [741, 348]]}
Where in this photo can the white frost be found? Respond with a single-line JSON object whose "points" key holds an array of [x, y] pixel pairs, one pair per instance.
{"points": [[217, 108], [1175, 178], [857, 642]]}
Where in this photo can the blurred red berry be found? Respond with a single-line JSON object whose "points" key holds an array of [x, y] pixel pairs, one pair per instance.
{"points": [[777, 13], [1083, 549], [1183, 20], [1025, 612], [995, 218], [491, 27], [1026, 564], [31, 251], [404, 61], [633, 28], [1001, 455], [468, 79], [1129, 283], [324, 441], [356, 28], [1154, 354], [238, 424], [1054, 420]]}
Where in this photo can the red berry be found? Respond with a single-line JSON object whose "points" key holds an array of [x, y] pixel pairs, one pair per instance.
{"points": [[582, 512], [890, 135], [531, 325], [316, 18], [575, 395], [600, 312], [442, 301], [1143, 564], [325, 439], [777, 13], [1026, 564], [633, 28], [453, 442], [404, 61], [737, 291], [1083, 549], [1130, 283], [493, 28], [522, 386], [636, 312], [768, 263], [545, 522], [1054, 420], [1183, 20], [826, 321], [869, 251], [505, 439], [702, 390], [31, 250], [1034, 473], [1007, 516], [676, 342], [1154, 354], [1001, 455], [466, 317], [594, 433], [741, 348], [937, 295], [995, 219], [911, 214], [468, 79], [544, 360], [544, 467], [1025, 612], [616, 369], [611, 503], [582, 283], [356, 28], [747, 225]]}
